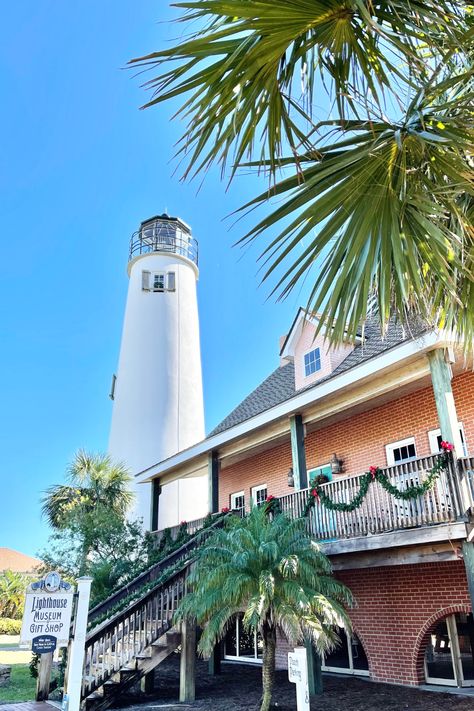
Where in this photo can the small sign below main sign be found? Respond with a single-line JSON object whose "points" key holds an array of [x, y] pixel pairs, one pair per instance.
{"points": [[48, 610], [44, 644], [298, 674]]}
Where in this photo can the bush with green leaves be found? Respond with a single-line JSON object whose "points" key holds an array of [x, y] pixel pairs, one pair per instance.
{"points": [[12, 593], [9, 626]]}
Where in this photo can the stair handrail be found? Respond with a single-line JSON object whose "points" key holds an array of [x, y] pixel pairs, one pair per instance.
{"points": [[96, 632]]}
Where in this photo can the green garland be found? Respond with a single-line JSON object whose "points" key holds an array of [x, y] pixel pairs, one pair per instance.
{"points": [[318, 494]]}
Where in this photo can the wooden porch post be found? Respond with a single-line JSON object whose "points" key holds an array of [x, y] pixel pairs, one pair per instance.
{"points": [[215, 660], [441, 375], [187, 672], [155, 503], [298, 453], [213, 478], [468, 555], [315, 677]]}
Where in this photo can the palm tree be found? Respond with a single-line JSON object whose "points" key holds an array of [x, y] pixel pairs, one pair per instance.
{"points": [[96, 486], [360, 113], [267, 567]]}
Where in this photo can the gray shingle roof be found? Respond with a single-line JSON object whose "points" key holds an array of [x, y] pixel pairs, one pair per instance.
{"points": [[280, 385]]}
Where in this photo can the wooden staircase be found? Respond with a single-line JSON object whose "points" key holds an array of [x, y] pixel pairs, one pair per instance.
{"points": [[122, 650], [122, 680]]}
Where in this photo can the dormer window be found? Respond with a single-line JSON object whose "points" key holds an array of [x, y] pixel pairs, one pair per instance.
{"points": [[312, 362]]}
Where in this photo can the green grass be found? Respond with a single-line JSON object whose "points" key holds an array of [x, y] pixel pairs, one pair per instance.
{"points": [[22, 686]]}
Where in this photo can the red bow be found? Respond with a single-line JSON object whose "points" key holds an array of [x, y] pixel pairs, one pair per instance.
{"points": [[373, 471], [447, 446]]}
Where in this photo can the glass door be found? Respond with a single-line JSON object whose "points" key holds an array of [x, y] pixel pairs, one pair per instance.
{"points": [[449, 655]]}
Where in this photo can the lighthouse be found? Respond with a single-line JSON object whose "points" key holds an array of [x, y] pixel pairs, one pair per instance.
{"points": [[157, 391]]}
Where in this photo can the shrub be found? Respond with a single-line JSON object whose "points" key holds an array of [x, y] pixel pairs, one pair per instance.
{"points": [[12, 594], [9, 626]]}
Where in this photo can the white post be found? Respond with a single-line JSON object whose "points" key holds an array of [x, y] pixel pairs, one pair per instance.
{"points": [[72, 695], [298, 674]]}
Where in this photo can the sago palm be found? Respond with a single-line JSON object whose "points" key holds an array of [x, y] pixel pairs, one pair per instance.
{"points": [[269, 569], [360, 114]]}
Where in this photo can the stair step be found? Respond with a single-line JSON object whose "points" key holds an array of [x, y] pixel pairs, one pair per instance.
{"points": [[173, 637], [159, 645], [110, 687], [93, 699], [142, 655]]}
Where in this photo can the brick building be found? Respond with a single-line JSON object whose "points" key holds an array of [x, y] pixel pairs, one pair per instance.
{"points": [[410, 564]]}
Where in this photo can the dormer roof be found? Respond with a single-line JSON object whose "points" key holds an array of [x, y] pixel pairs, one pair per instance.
{"points": [[287, 350]]}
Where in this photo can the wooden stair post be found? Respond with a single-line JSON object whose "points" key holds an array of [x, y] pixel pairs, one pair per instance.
{"points": [[187, 675], [147, 683]]}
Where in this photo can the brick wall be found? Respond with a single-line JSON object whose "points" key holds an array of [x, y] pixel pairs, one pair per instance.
{"points": [[270, 468], [397, 607], [359, 440]]}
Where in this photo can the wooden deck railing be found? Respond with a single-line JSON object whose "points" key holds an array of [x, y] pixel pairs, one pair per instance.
{"points": [[115, 643], [451, 498], [447, 501]]}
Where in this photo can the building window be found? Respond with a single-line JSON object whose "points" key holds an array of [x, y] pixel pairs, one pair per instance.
{"points": [[158, 282], [237, 501], [401, 451], [435, 440], [241, 644], [259, 494], [348, 658], [312, 362]]}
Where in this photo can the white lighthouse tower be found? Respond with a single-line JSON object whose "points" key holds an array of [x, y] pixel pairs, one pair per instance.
{"points": [[157, 392]]}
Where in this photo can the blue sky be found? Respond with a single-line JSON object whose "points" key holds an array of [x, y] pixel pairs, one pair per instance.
{"points": [[81, 166]]}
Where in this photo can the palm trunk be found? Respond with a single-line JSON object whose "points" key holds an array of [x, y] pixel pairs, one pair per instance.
{"points": [[268, 669]]}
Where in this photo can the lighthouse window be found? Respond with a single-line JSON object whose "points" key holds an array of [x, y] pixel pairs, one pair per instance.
{"points": [[158, 282]]}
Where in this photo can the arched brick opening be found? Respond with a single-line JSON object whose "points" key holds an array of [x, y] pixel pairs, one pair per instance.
{"points": [[364, 644], [422, 639]]}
